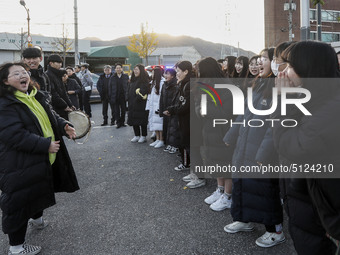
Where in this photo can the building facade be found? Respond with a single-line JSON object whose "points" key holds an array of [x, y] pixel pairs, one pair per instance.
{"points": [[12, 45], [171, 55], [277, 28]]}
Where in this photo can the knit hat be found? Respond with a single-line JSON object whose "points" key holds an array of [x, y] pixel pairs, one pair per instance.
{"points": [[54, 58], [31, 53]]}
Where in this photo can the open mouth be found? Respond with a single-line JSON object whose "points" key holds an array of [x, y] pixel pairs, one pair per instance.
{"points": [[24, 82]]}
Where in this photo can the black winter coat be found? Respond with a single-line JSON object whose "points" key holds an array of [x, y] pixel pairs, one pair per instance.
{"points": [[27, 179], [137, 114], [72, 85], [255, 200], [103, 85], [170, 123], [113, 87], [313, 205], [214, 150], [180, 106], [60, 99], [168, 93], [41, 78], [75, 77]]}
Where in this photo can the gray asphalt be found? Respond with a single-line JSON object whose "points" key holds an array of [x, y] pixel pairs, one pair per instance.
{"points": [[131, 201]]}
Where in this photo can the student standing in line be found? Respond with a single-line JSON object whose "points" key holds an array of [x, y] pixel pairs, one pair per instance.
{"points": [[138, 92]]}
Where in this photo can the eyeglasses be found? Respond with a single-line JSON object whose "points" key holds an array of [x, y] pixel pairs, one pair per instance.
{"points": [[18, 75], [263, 59]]}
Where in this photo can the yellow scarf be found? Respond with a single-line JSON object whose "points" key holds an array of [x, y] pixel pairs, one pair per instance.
{"points": [[40, 113]]}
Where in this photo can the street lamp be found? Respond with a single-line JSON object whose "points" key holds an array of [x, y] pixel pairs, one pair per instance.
{"points": [[29, 38]]}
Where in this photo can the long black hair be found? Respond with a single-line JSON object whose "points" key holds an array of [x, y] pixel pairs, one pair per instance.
{"points": [[230, 66], [186, 66], [4, 72], [245, 62], [210, 68], [281, 47], [143, 76], [311, 60], [156, 80]]}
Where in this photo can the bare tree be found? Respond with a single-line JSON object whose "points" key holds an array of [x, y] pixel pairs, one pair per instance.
{"points": [[64, 44]]}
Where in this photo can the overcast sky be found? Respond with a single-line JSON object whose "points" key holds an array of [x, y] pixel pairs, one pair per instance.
{"points": [[110, 19]]}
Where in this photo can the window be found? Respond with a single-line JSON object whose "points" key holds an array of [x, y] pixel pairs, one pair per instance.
{"points": [[326, 15], [326, 37]]}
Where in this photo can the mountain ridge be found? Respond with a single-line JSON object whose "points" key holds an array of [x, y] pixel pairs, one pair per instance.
{"points": [[205, 48]]}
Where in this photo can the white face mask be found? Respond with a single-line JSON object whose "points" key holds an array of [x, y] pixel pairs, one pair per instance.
{"points": [[275, 67]]}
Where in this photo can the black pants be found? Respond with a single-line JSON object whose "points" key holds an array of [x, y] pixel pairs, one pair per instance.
{"points": [[270, 228], [165, 128], [86, 102], [120, 110], [106, 103], [185, 156], [137, 129], [80, 97], [18, 237]]}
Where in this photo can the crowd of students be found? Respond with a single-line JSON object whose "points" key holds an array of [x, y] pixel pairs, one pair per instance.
{"points": [[30, 138], [310, 203]]}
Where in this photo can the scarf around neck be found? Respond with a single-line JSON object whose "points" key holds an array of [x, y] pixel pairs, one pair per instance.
{"points": [[40, 113]]}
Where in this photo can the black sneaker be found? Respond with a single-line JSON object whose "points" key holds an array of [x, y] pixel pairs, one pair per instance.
{"points": [[167, 148], [28, 250], [104, 123]]}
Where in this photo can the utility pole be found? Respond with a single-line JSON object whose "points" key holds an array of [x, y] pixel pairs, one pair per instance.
{"points": [[290, 7], [76, 49], [22, 41], [304, 20], [319, 28], [29, 38]]}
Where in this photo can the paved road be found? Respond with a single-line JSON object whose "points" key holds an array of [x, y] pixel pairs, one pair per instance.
{"points": [[131, 201]]}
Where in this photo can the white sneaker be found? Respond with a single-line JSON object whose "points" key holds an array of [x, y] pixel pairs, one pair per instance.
{"points": [[238, 226], [222, 203], [196, 183], [154, 143], [142, 139], [32, 224], [189, 177], [181, 167], [135, 139], [160, 144], [214, 197], [27, 250], [269, 239]]}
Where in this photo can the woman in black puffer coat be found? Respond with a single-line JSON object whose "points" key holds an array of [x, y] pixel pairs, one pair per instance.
{"points": [[256, 199], [170, 123], [181, 107], [138, 116], [34, 165], [312, 204]]}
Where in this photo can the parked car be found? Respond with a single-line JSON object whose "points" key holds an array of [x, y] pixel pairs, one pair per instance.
{"points": [[95, 97]]}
